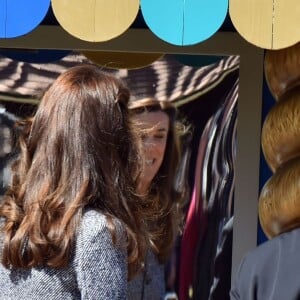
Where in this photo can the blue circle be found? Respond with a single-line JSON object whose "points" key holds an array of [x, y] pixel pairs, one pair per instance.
{"points": [[19, 17]]}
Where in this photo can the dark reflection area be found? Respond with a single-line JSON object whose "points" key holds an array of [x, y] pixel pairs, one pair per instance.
{"points": [[10, 112], [7, 141], [207, 98], [206, 246], [216, 191]]}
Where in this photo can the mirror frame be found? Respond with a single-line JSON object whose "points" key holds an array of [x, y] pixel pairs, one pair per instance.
{"points": [[249, 105]]}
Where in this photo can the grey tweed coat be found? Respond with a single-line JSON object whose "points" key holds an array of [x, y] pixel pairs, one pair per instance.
{"points": [[98, 269], [150, 284]]}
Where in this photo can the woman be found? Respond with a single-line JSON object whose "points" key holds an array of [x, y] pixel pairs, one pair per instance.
{"points": [[71, 219], [160, 151]]}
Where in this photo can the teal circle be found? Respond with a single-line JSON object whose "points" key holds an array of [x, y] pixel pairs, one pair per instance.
{"points": [[184, 23]]}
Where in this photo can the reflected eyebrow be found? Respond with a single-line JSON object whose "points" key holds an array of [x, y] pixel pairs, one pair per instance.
{"points": [[153, 129]]}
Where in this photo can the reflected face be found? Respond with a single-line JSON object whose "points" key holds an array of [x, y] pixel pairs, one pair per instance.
{"points": [[155, 128]]}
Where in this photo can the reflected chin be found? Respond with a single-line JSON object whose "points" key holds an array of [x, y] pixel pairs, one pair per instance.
{"points": [[147, 178]]}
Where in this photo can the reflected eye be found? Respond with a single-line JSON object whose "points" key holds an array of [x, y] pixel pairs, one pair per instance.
{"points": [[153, 137], [143, 137], [160, 136]]}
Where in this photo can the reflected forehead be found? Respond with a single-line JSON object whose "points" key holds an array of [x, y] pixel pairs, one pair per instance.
{"points": [[157, 119]]}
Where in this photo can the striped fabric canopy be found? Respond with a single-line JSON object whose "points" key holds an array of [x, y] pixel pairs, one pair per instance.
{"points": [[165, 79]]}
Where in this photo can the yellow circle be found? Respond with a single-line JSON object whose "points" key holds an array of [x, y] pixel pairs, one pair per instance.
{"points": [[95, 20], [267, 24]]}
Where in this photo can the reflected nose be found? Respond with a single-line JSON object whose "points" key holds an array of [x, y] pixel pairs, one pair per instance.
{"points": [[148, 142], [149, 147]]}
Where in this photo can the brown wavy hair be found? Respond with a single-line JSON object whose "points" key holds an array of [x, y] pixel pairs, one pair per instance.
{"points": [[279, 201], [165, 215], [280, 137], [282, 70], [76, 153]]}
